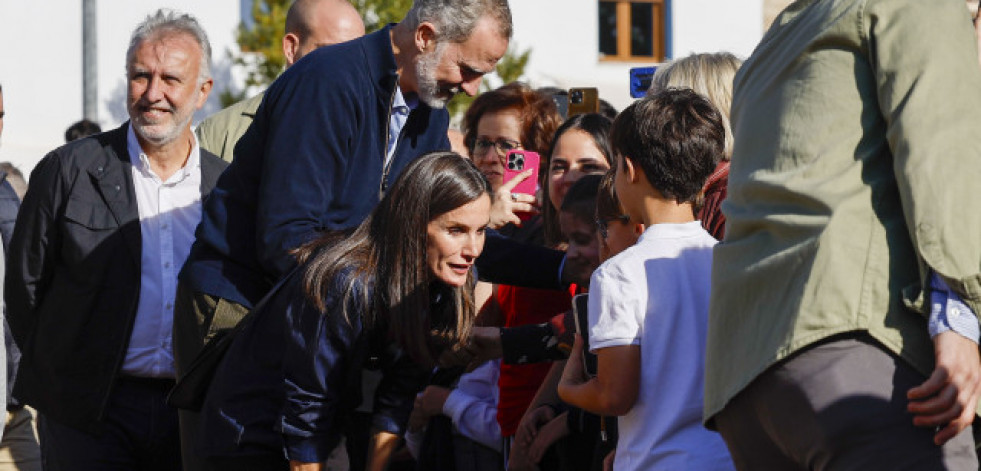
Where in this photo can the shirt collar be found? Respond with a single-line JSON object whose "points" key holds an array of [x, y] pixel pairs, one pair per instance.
{"points": [[400, 101], [139, 158], [671, 231]]}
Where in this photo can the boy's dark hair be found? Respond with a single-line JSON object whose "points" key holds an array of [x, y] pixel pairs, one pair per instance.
{"points": [[607, 203], [580, 200], [675, 136]]}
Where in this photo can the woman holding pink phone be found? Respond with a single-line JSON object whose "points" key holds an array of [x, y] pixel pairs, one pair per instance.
{"points": [[512, 118]]}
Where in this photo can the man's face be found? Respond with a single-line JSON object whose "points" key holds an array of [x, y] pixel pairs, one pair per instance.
{"points": [[164, 87], [453, 67]]}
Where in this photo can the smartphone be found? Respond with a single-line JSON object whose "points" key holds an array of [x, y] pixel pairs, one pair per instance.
{"points": [[583, 100], [562, 103], [640, 80], [580, 310], [517, 161]]}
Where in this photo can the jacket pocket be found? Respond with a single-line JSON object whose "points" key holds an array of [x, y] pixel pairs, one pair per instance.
{"points": [[92, 216], [91, 239]]}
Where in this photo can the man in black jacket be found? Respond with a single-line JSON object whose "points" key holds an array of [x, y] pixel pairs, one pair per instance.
{"points": [[106, 224]]}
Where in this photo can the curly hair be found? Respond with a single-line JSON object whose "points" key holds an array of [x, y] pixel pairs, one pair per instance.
{"points": [[538, 114]]}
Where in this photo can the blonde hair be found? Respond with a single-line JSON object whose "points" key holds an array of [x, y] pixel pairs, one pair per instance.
{"points": [[709, 75]]}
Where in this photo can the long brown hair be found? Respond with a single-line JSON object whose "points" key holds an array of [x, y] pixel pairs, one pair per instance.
{"points": [[388, 253]]}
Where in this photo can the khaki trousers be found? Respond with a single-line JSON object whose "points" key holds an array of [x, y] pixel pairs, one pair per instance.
{"points": [[198, 319]]}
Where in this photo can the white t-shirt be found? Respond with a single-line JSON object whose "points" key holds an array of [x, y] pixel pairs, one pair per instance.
{"points": [[656, 295]]}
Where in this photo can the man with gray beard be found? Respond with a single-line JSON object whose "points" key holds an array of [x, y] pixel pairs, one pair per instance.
{"points": [[332, 133], [105, 224]]}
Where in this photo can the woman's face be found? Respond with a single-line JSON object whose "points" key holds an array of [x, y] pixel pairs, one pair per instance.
{"points": [[455, 239], [499, 129], [574, 155]]}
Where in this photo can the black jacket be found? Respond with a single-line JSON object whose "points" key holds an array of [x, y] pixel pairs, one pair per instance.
{"points": [[73, 275]]}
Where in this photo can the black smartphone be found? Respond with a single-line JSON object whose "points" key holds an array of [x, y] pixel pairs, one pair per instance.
{"points": [[580, 309]]}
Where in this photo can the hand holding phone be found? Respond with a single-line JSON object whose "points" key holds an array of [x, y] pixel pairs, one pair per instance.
{"points": [[516, 162]]}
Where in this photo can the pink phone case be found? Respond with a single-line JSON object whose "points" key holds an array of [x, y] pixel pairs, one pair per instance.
{"points": [[517, 161]]}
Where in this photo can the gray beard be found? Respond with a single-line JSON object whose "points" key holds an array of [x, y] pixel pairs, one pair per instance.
{"points": [[429, 91]]}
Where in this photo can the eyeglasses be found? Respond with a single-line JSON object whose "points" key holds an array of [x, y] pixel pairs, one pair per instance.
{"points": [[503, 146], [604, 224]]}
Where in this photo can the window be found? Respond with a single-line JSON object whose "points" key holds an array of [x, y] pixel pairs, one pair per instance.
{"points": [[632, 30]]}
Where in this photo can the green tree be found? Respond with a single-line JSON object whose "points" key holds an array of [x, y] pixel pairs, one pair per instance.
{"points": [[262, 52], [261, 45], [378, 13]]}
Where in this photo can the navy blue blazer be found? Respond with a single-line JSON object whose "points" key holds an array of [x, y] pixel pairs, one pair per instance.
{"points": [[313, 160]]}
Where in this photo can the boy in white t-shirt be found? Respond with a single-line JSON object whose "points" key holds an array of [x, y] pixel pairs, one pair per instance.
{"points": [[648, 306]]}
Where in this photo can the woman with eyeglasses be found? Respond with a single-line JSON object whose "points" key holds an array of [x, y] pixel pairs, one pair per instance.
{"points": [[578, 148], [508, 118]]}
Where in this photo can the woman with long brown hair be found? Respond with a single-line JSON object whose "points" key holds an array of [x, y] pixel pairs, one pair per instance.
{"points": [[392, 294]]}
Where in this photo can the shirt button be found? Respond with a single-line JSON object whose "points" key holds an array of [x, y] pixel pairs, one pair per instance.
{"points": [[170, 306], [166, 264], [163, 226]]}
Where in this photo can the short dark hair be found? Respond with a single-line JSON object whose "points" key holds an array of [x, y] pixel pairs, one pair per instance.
{"points": [[607, 109], [81, 129], [675, 137], [607, 203], [580, 200]]}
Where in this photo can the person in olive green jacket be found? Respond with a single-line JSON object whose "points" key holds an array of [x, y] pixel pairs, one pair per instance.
{"points": [[842, 331], [309, 25]]}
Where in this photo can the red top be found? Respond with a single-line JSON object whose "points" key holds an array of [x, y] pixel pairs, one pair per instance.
{"points": [[519, 383], [715, 192]]}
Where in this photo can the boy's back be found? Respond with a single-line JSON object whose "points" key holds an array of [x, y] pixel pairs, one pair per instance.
{"points": [[655, 295]]}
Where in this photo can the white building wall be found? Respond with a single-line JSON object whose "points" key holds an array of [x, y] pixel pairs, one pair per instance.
{"points": [[563, 36], [41, 65], [41, 68]]}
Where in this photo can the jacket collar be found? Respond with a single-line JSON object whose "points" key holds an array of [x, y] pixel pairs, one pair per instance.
{"points": [[382, 67], [111, 174]]}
